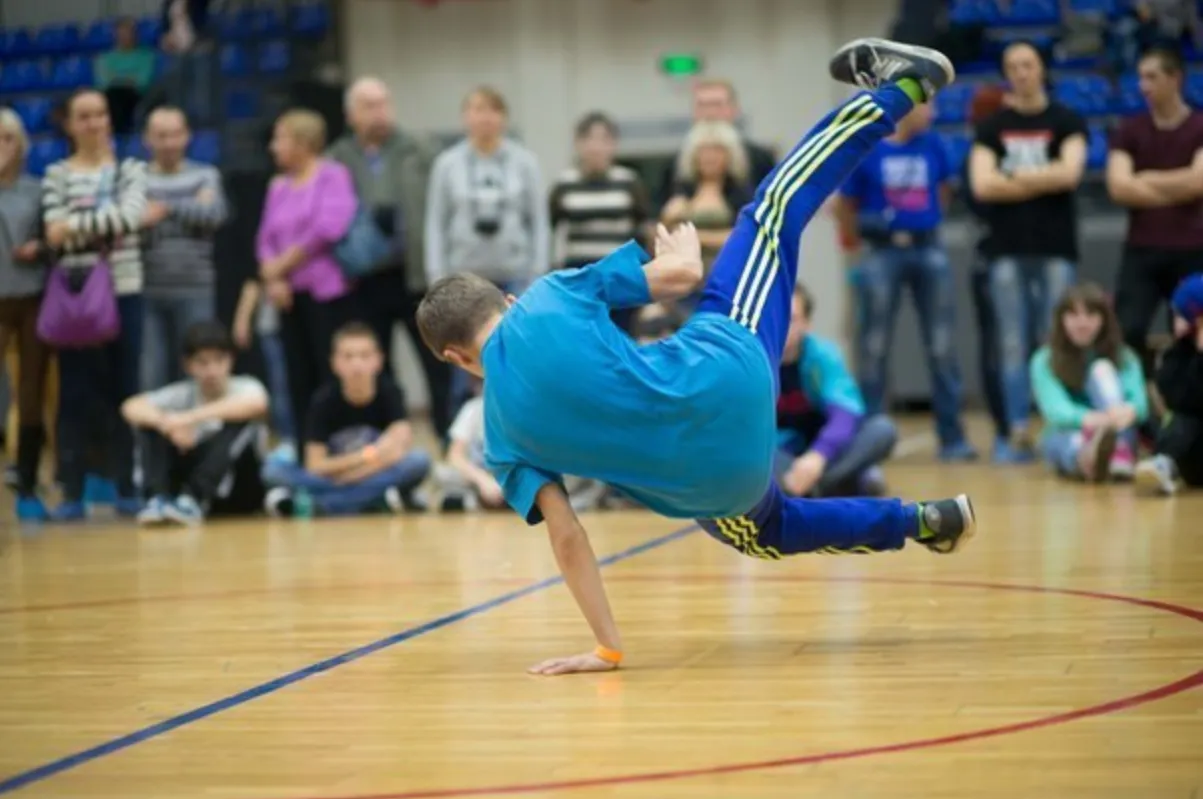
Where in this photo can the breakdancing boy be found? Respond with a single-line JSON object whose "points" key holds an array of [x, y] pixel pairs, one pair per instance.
{"points": [[687, 425]]}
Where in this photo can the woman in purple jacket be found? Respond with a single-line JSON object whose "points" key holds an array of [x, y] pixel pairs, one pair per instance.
{"points": [[309, 208]]}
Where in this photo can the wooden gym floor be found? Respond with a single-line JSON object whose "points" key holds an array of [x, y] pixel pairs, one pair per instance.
{"points": [[1059, 656]]}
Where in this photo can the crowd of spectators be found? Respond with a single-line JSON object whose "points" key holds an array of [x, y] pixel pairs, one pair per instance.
{"points": [[107, 282]]}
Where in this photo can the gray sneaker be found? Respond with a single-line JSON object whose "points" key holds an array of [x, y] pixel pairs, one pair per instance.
{"points": [[868, 63], [1158, 475], [946, 525]]}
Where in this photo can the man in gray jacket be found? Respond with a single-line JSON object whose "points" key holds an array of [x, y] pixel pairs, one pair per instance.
{"points": [[391, 170]]}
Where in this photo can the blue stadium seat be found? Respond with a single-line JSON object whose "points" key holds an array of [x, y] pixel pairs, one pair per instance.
{"points": [[20, 44], [952, 104], [132, 146], [1086, 94], [1096, 150], [1194, 88], [311, 20], [975, 12], [99, 37], [34, 112], [56, 40], [234, 60], [242, 104], [267, 22], [72, 73], [1108, 7], [149, 31], [1127, 98], [22, 76], [43, 152], [237, 26], [274, 57], [205, 147], [1032, 12]]}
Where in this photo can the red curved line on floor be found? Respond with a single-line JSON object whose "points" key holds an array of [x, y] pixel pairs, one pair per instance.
{"points": [[1125, 703]]}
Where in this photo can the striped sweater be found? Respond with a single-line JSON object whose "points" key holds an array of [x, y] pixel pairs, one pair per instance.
{"points": [[179, 250], [103, 209]]}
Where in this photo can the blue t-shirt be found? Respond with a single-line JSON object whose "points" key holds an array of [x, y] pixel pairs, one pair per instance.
{"points": [[897, 187], [685, 426]]}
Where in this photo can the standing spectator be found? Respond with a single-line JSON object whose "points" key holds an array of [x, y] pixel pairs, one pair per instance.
{"points": [[894, 202], [185, 26], [715, 100], [485, 211], [828, 445], [93, 207], [201, 437], [1090, 390], [22, 280], [986, 102], [359, 451], [1155, 168], [1179, 457], [185, 207], [309, 208], [256, 311], [712, 185], [124, 74], [596, 205], [1026, 163], [391, 170]]}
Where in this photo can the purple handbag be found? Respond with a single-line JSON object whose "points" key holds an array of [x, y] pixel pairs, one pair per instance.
{"points": [[71, 319]]}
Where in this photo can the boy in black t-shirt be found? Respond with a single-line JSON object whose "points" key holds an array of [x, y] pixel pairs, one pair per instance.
{"points": [[358, 452], [1025, 166]]}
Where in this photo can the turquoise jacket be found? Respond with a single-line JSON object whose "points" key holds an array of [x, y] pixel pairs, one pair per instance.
{"points": [[1063, 409]]}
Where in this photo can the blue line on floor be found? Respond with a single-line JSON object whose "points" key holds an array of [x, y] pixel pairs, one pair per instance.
{"points": [[271, 686]]}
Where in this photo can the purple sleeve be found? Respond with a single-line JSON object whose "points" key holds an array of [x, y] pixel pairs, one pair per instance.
{"points": [[837, 434], [336, 206]]}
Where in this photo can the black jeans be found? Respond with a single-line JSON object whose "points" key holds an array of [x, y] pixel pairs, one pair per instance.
{"points": [[93, 383], [1181, 438], [988, 348], [384, 299], [1147, 278], [307, 330], [222, 472]]}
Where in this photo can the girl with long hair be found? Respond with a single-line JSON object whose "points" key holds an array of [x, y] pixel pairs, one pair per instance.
{"points": [[1090, 389]]}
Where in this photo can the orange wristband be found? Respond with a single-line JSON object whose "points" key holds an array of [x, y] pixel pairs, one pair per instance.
{"points": [[369, 453], [608, 655]]}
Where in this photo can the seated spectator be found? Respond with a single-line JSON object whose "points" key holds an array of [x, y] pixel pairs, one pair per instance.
{"points": [[200, 438], [255, 309], [712, 185], [359, 452], [1179, 451], [185, 26], [124, 74], [465, 480], [185, 207], [1089, 389], [828, 447]]}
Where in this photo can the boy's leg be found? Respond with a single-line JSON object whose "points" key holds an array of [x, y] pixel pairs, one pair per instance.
{"points": [[213, 467], [779, 526], [873, 443], [753, 276], [404, 475]]}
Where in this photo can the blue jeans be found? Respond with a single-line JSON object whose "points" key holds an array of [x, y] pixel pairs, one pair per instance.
{"points": [[927, 273], [1103, 391], [276, 369], [335, 499], [872, 444], [1024, 292], [988, 348], [752, 282], [165, 321], [189, 83]]}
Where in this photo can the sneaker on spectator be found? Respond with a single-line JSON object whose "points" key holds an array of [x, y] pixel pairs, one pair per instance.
{"points": [[1123, 462], [31, 509], [154, 512], [1004, 453], [285, 454], [1158, 475], [127, 507], [69, 512], [1094, 456], [99, 490], [960, 452], [278, 502], [184, 510], [453, 503]]}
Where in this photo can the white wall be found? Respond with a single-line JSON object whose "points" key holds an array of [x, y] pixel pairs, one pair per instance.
{"points": [[557, 59]]}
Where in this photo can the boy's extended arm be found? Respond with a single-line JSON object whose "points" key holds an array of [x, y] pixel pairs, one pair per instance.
{"points": [[582, 575]]}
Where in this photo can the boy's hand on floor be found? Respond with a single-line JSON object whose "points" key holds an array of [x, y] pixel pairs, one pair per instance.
{"points": [[575, 664]]}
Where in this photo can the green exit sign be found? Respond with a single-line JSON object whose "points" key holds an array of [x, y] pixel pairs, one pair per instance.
{"points": [[679, 65]]}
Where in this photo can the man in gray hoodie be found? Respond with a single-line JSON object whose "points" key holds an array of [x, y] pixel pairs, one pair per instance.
{"points": [[391, 170]]}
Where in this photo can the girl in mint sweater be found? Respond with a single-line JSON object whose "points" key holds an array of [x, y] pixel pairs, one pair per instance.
{"points": [[1090, 390]]}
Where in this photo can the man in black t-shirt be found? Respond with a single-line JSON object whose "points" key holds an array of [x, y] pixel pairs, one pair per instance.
{"points": [[358, 452], [1026, 164]]}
